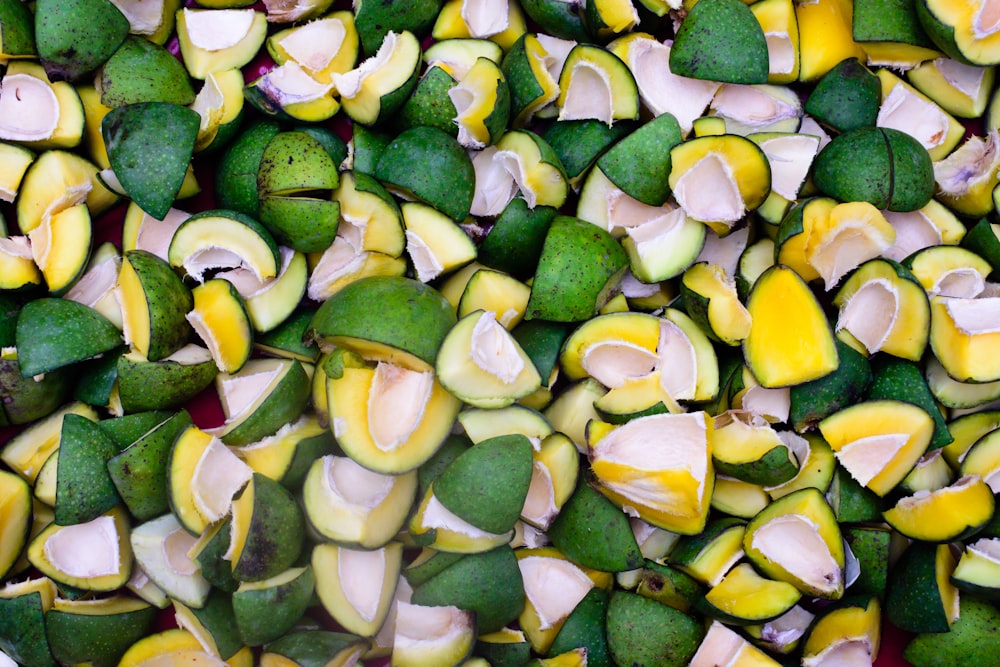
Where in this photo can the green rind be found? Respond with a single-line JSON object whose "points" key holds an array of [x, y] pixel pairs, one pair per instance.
{"points": [[22, 631], [265, 614], [514, 243], [141, 71], [84, 489], [52, 333], [272, 551], [847, 97], [593, 532], [720, 40], [903, 380], [645, 632], [429, 104], [913, 601], [169, 301], [814, 400], [99, 640], [176, 383], [282, 406], [584, 628], [640, 163], [236, 171], [974, 638], [75, 37]]}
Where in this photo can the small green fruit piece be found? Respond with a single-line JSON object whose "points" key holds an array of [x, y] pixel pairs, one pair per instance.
{"points": [[429, 104], [432, 166], [919, 597], [854, 165], [213, 623], [179, 377], [265, 610], [846, 98], [313, 648], [720, 40], [903, 380], [812, 401], [236, 173], [578, 143], [22, 629], [150, 146], [15, 519], [639, 164], [97, 632], [268, 530], [84, 489], [357, 587], [407, 329], [870, 545], [281, 391], [645, 632], [514, 242], [141, 71], [557, 18], [584, 627], [972, 638], [52, 333], [76, 37], [500, 470], [154, 304], [18, 35], [25, 399], [579, 267], [585, 515], [488, 584], [375, 19], [139, 472], [160, 547]]}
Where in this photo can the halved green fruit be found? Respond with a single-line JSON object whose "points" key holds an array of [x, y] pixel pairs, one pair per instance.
{"points": [[266, 610], [96, 631], [154, 303], [721, 41], [920, 597], [224, 239], [944, 515], [744, 596], [357, 587], [379, 86], [263, 396], [268, 530], [595, 83], [161, 549], [213, 39], [57, 550], [52, 333], [960, 336], [220, 317]]}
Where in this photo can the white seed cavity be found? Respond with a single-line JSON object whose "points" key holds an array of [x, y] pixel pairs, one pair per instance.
{"points": [[906, 111], [651, 235], [975, 161], [241, 392], [154, 235], [291, 84], [218, 476], [553, 586], [350, 482], [350, 83], [16, 246], [914, 231], [664, 92], [314, 44], [781, 53], [340, 260], [556, 52], [966, 79], [844, 248], [790, 158], [176, 546], [290, 11], [29, 108], [679, 362], [85, 550], [721, 646], [866, 457], [540, 503], [724, 251], [841, 652], [615, 362], [870, 314], [987, 548], [426, 263], [656, 443], [418, 626], [495, 185], [709, 192], [588, 94], [752, 106], [144, 16], [986, 21], [485, 18], [97, 283], [362, 578], [436, 515], [217, 29], [962, 283], [493, 349], [810, 561], [974, 317], [396, 404]]}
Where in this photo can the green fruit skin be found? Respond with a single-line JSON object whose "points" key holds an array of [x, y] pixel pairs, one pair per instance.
{"points": [[523, 86], [645, 633], [870, 544], [591, 531], [217, 570], [557, 18], [301, 223], [579, 143], [912, 172], [175, 383], [503, 654], [22, 631], [141, 71], [236, 173], [125, 430], [429, 104], [265, 615], [369, 144], [669, 585], [98, 640], [542, 342], [18, 37], [411, 316], [314, 648], [814, 400], [282, 407], [847, 97], [276, 535], [499, 470], [720, 40], [852, 502], [169, 302], [219, 620], [939, 32], [488, 584], [84, 490], [974, 638], [640, 163], [418, 161], [295, 161], [374, 19], [514, 242], [452, 447], [24, 399], [981, 240], [76, 36], [584, 627], [97, 379], [579, 264], [899, 379], [889, 21], [52, 333], [913, 602], [139, 472]]}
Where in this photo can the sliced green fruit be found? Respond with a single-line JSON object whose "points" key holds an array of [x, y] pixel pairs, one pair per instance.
{"points": [[595, 83], [22, 623], [968, 639], [143, 71], [154, 304], [950, 513], [722, 645], [56, 552], [959, 337], [43, 114], [435, 243], [744, 596], [84, 489], [380, 85], [180, 377], [878, 441], [352, 505], [16, 511], [751, 450], [850, 630], [813, 400], [774, 360], [96, 631], [670, 491], [977, 568], [219, 316], [265, 610], [161, 548], [28, 451], [262, 397], [448, 640], [847, 97], [267, 530], [287, 455], [357, 587], [52, 333], [60, 247], [804, 518], [224, 239], [645, 632], [721, 41], [214, 40], [920, 597]]}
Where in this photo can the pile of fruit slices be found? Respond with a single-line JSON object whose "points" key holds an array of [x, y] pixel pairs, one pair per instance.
{"points": [[648, 332]]}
